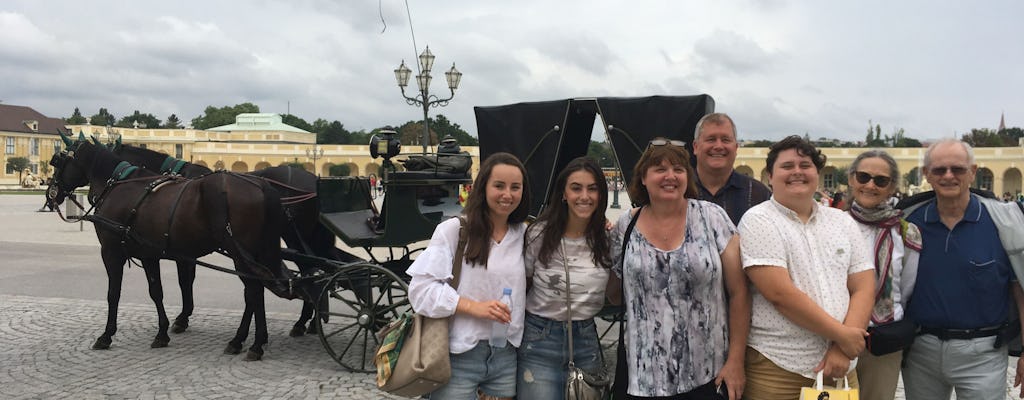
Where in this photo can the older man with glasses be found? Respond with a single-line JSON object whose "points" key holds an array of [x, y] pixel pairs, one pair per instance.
{"points": [[970, 270]]}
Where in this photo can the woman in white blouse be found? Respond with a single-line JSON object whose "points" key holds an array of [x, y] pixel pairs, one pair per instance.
{"points": [[495, 214], [873, 177], [569, 238]]}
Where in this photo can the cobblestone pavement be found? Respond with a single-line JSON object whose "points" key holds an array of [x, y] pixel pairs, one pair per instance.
{"points": [[45, 354]]}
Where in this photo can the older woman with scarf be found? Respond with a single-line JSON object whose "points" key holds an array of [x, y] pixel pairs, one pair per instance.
{"points": [[894, 245]]}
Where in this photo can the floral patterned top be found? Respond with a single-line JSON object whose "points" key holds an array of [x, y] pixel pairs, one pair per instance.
{"points": [[678, 326]]}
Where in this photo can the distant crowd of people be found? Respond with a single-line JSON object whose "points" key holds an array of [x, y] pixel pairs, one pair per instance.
{"points": [[733, 289]]}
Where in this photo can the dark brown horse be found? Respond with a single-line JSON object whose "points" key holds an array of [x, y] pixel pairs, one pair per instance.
{"points": [[303, 232], [141, 214]]}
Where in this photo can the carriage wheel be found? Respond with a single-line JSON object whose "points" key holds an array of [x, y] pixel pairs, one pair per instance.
{"points": [[360, 299]]}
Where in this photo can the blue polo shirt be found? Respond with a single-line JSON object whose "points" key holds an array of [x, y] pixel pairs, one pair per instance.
{"points": [[737, 196], [964, 275]]}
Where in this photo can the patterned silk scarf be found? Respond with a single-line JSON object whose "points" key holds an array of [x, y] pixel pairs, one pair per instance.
{"points": [[884, 217]]}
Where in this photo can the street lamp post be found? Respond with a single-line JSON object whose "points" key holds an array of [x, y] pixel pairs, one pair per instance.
{"points": [[424, 98], [315, 153]]}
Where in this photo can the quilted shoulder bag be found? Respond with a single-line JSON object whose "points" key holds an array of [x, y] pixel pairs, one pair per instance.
{"points": [[413, 359], [580, 384]]}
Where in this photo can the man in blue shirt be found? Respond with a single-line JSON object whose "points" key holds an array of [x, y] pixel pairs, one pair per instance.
{"points": [[714, 147], [964, 287]]}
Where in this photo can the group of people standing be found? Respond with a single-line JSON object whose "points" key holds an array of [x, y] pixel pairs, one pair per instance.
{"points": [[730, 290]]}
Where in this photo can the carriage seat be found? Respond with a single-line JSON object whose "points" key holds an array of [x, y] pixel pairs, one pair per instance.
{"points": [[345, 208]]}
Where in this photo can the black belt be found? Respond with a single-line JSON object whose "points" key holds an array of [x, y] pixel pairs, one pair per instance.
{"points": [[947, 334]]}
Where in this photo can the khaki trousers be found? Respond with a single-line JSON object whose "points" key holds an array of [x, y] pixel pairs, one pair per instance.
{"points": [[767, 381], [878, 375]]}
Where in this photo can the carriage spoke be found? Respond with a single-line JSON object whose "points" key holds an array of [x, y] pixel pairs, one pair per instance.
{"points": [[392, 308], [338, 314], [347, 327], [338, 296], [351, 342]]}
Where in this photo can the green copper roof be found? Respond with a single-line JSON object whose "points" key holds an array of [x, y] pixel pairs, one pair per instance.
{"points": [[258, 122]]}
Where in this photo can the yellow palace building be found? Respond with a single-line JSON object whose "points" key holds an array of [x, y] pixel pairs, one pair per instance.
{"points": [[257, 141]]}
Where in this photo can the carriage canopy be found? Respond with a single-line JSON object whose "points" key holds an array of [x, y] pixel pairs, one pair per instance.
{"points": [[547, 135]]}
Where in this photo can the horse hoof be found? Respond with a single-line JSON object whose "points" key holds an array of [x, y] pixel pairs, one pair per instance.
{"points": [[102, 343], [297, 331], [312, 329], [253, 355], [159, 343], [179, 326], [233, 348]]}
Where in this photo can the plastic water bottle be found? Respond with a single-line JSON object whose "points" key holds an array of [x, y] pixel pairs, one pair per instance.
{"points": [[499, 330]]}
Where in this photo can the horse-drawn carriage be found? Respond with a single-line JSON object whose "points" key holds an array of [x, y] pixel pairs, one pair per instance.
{"points": [[145, 214]]}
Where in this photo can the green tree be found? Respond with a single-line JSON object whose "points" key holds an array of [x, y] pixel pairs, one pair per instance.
{"points": [[172, 122], [1013, 134], [761, 143], [18, 164], [602, 153], [76, 118], [143, 120], [361, 136], [214, 117], [874, 137], [331, 133], [984, 138], [296, 122], [102, 118], [411, 134], [443, 127], [340, 170]]}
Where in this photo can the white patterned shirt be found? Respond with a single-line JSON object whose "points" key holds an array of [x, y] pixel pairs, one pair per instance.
{"points": [[677, 338], [819, 255], [547, 295], [431, 296]]}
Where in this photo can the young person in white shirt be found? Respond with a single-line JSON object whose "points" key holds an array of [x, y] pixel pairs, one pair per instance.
{"points": [[813, 277], [493, 260]]}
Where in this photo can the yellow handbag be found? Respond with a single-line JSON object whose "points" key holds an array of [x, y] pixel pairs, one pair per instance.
{"points": [[821, 392]]}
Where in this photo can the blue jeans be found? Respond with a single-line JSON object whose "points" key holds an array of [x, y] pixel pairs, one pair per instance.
{"points": [[544, 355], [483, 367]]}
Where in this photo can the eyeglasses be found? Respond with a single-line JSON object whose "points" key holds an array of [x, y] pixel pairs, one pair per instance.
{"points": [[956, 170], [863, 178], [663, 142]]}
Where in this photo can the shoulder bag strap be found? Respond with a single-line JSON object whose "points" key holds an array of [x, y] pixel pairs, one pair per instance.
{"points": [[568, 303], [460, 248], [622, 259]]}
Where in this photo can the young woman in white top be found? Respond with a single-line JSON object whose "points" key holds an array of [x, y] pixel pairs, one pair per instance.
{"points": [[495, 214], [568, 237]]}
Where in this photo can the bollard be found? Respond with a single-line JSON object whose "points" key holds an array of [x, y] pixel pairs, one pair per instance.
{"points": [[73, 211]]}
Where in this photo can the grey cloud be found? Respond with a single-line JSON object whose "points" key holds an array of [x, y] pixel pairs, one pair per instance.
{"points": [[727, 52], [589, 54]]}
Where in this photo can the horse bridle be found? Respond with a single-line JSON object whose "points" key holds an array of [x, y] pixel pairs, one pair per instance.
{"points": [[58, 191]]}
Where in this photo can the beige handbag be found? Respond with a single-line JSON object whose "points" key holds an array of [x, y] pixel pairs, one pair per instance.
{"points": [[423, 363]]}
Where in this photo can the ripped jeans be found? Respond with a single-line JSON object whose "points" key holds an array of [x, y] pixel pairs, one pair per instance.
{"points": [[544, 356]]}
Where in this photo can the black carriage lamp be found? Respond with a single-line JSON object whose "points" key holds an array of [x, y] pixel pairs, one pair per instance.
{"points": [[385, 144], [424, 98]]}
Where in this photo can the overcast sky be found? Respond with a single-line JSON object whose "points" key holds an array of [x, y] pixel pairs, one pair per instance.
{"points": [[779, 67]]}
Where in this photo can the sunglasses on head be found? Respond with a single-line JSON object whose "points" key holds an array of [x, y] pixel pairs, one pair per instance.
{"points": [[663, 142], [957, 170], [863, 178]]}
